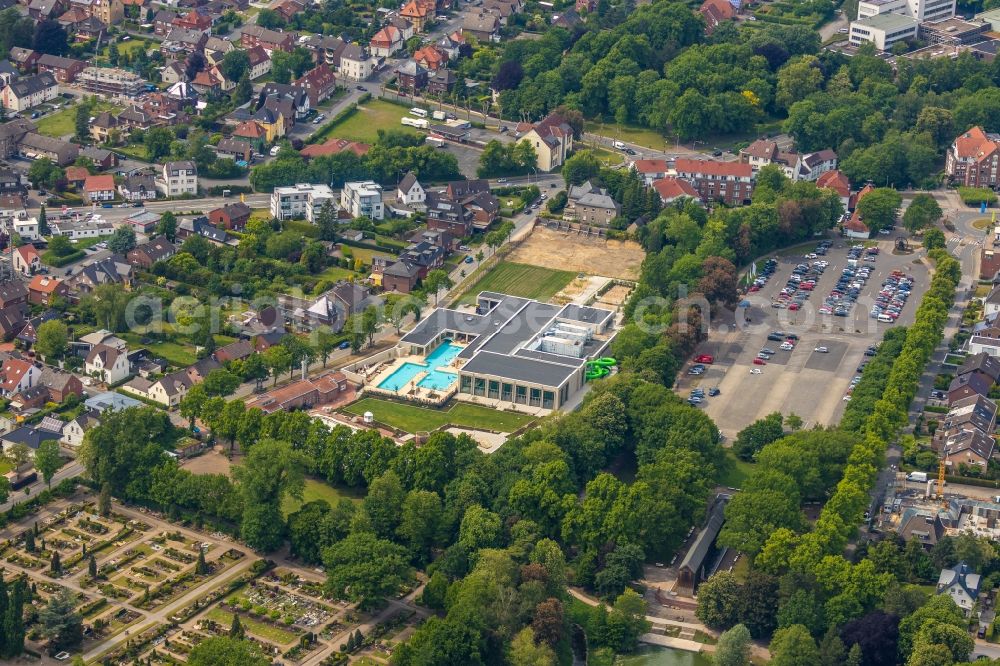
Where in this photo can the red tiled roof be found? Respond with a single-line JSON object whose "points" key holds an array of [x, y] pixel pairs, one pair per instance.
{"points": [[44, 284], [13, 370], [250, 129], [836, 181], [713, 168], [970, 143], [651, 166], [335, 146], [672, 188], [101, 183], [77, 173]]}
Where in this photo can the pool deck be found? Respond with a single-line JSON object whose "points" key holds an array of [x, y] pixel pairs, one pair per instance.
{"points": [[411, 388]]}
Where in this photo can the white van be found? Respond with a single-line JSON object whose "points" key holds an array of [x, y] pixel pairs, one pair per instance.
{"points": [[885, 319], [620, 145]]}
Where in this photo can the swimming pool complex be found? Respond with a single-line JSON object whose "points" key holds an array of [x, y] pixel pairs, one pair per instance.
{"points": [[435, 379]]}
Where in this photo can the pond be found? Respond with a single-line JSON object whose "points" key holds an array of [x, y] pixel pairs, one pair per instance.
{"points": [[650, 655]]}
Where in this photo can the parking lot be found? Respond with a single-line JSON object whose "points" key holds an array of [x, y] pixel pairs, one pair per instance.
{"points": [[810, 383]]}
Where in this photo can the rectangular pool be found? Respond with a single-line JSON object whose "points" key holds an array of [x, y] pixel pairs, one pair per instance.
{"points": [[435, 380]]}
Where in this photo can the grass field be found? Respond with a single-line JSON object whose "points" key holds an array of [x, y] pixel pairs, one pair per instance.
{"points": [[373, 116], [318, 490], [63, 121], [520, 280], [640, 136], [174, 353], [255, 627], [334, 273], [416, 419], [737, 473], [365, 254]]}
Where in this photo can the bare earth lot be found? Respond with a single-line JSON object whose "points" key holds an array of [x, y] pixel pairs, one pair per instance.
{"points": [[571, 252]]}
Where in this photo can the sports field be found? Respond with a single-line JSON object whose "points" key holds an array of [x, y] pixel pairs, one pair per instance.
{"points": [[520, 280]]}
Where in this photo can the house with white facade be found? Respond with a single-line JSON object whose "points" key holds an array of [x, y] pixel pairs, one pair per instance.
{"points": [[409, 191], [961, 584], [178, 178], [108, 364], [363, 199], [302, 200]]}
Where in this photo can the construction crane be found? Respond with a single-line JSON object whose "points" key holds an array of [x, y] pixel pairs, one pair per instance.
{"points": [[940, 484]]}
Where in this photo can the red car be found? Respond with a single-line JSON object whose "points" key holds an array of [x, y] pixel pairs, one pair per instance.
{"points": [[759, 361], [793, 307], [704, 358]]}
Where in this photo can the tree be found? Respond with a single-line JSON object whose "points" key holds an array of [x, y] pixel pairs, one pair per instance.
{"points": [[29, 541], [92, 567], [157, 141], [43, 222], [55, 564], [220, 382], [437, 280], [167, 226], [364, 568], [934, 239], [236, 628], [243, 91], [192, 403], [122, 241], [923, 212], [195, 63], [793, 646], [48, 460], [733, 648], [627, 621], [104, 500], [277, 359], [525, 652], [235, 64], [83, 121], [878, 208], [270, 472], [580, 167], [719, 601], [201, 567], [420, 520], [442, 641], [60, 246], [50, 38], [758, 434], [480, 528], [52, 339], [60, 623], [225, 651]]}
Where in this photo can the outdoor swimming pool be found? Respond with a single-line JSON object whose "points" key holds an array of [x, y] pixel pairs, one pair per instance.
{"points": [[435, 380]]}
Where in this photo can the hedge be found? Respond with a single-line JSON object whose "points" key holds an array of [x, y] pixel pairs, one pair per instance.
{"points": [[974, 196], [50, 258]]}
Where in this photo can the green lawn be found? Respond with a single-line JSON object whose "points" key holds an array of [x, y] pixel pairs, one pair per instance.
{"points": [[174, 353], [255, 627], [416, 419], [520, 280], [737, 472], [318, 490], [131, 46], [640, 136], [63, 122], [334, 273], [5, 465], [373, 116], [365, 254]]}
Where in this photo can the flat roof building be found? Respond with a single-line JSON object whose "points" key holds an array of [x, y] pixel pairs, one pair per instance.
{"points": [[516, 350], [302, 200], [883, 30]]}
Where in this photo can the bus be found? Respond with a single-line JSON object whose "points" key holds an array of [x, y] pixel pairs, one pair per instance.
{"points": [[419, 113]]}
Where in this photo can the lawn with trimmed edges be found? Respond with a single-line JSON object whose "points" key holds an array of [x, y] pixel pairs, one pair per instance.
{"points": [[63, 121], [319, 490], [255, 627], [418, 419], [368, 120], [520, 280]]}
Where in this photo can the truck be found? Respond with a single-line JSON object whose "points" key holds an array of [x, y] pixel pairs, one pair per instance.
{"points": [[919, 477], [439, 115]]}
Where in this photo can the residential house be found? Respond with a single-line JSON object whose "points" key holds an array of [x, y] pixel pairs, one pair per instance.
{"points": [[168, 390], [13, 319], [74, 431], [363, 199], [330, 388], [400, 276], [591, 205], [672, 188], [113, 83], [108, 12], [64, 70], [269, 40], [42, 289], [331, 308], [405, 27], [181, 41], [144, 221], [108, 364], [969, 447], [147, 254], [410, 192], [441, 82], [29, 91], [26, 260], [24, 59], [178, 178], [110, 401], [814, 165], [27, 228], [102, 126], [971, 384], [418, 13], [431, 57], [386, 41], [484, 27], [163, 22], [981, 364], [77, 176], [17, 375], [234, 149], [135, 118], [264, 341], [991, 304], [232, 216], [650, 170], [552, 139], [111, 270], [35, 146], [568, 20], [448, 214], [90, 28], [716, 12], [41, 10], [835, 180], [260, 62], [8, 72], [274, 121], [60, 384], [763, 152], [193, 20], [300, 201], [334, 146], [173, 72], [138, 187], [319, 82], [961, 584], [728, 182], [99, 188], [13, 292], [32, 436], [253, 133], [411, 76], [234, 351], [199, 226], [922, 526], [356, 64], [973, 159]]}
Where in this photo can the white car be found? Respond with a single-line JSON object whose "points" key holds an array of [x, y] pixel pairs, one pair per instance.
{"points": [[821, 350], [787, 346], [756, 371]]}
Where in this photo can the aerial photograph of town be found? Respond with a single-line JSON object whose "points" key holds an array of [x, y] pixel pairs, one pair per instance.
{"points": [[499, 332]]}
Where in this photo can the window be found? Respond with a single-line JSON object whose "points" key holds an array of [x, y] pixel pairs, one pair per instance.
{"points": [[480, 389], [494, 391], [536, 397], [506, 392], [520, 395], [466, 384], [547, 399]]}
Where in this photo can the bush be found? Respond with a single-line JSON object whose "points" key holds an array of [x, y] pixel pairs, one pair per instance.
{"points": [[974, 196]]}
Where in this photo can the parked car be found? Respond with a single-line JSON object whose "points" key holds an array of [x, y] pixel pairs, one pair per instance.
{"points": [[705, 358]]}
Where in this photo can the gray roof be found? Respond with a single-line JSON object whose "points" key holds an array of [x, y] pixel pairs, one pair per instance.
{"points": [[29, 85], [110, 400], [696, 554], [31, 436], [411, 68], [517, 368]]}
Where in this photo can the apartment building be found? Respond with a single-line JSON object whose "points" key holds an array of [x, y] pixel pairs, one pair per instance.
{"points": [[111, 83], [302, 200], [363, 199], [178, 178]]}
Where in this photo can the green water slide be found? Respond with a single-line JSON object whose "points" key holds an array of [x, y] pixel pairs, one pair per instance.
{"points": [[599, 367]]}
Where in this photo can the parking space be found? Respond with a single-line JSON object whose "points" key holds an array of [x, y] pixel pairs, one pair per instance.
{"points": [[810, 383]]}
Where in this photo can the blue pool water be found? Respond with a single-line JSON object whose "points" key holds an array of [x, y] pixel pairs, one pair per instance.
{"points": [[435, 380]]}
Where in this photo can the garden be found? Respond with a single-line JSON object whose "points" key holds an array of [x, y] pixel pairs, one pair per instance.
{"points": [[421, 419]]}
